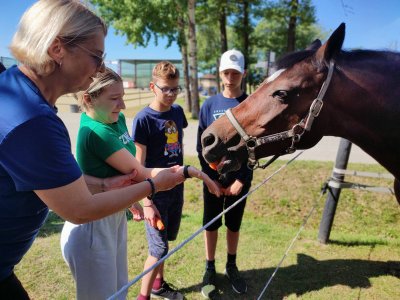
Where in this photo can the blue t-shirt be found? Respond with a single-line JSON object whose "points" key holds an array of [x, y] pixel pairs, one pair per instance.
{"points": [[35, 154], [161, 133], [213, 108]]}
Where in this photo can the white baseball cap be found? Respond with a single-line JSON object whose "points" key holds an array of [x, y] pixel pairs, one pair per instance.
{"points": [[232, 59]]}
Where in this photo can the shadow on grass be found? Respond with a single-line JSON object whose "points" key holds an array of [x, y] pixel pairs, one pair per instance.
{"points": [[53, 224], [306, 276], [357, 243]]}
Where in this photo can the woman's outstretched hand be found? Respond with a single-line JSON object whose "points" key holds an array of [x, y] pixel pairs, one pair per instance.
{"points": [[168, 178]]}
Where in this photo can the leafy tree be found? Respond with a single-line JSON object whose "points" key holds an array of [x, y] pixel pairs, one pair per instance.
{"points": [[140, 21], [287, 25]]}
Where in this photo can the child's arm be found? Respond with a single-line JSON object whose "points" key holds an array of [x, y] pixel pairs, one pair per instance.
{"points": [[150, 211], [190, 171]]}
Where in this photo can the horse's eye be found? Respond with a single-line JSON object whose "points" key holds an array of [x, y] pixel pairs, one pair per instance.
{"points": [[280, 95]]}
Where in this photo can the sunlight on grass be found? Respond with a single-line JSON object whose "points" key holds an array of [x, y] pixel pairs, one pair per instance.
{"points": [[362, 260]]}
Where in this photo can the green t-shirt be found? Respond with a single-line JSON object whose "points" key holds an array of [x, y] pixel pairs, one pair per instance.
{"points": [[97, 141]]}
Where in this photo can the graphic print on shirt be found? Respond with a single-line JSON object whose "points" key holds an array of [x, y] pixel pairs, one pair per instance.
{"points": [[218, 113], [125, 138], [172, 146]]}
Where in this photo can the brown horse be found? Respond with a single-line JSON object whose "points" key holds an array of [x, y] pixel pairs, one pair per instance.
{"points": [[316, 92]]}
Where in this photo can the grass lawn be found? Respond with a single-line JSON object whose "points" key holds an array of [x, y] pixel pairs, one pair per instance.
{"points": [[362, 260]]}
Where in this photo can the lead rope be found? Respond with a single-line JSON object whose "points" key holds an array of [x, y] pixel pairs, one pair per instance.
{"points": [[323, 191], [183, 243]]}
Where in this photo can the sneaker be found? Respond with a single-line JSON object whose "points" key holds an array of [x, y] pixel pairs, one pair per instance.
{"points": [[208, 288], [238, 283], [166, 293]]}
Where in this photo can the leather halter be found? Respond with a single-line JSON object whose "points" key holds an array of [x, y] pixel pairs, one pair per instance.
{"points": [[295, 133]]}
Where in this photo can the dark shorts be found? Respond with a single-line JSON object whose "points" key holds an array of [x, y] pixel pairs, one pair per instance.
{"points": [[169, 204], [12, 289], [213, 206]]}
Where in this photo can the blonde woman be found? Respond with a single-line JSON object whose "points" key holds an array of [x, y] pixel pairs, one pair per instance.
{"points": [[60, 47]]}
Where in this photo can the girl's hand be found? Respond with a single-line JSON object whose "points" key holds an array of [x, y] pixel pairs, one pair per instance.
{"points": [[119, 181], [151, 214], [137, 211], [212, 186]]}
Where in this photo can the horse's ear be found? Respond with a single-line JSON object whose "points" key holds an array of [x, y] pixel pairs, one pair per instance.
{"points": [[332, 46], [314, 45]]}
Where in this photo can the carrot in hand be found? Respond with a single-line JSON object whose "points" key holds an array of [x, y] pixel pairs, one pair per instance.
{"points": [[159, 224]]}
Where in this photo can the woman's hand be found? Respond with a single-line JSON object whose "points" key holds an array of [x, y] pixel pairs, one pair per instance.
{"points": [[168, 178]]}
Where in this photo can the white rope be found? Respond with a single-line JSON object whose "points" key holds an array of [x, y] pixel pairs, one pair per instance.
{"points": [[183, 243], [292, 242]]}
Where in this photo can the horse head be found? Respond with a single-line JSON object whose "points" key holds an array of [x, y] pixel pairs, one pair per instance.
{"points": [[277, 117]]}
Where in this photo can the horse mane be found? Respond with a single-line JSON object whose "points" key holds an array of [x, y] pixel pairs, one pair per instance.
{"points": [[291, 59]]}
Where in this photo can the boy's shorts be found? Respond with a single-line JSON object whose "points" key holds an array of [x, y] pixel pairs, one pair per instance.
{"points": [[169, 204], [213, 206]]}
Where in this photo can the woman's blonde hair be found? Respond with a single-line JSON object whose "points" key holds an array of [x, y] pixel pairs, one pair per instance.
{"points": [[100, 82], [46, 20]]}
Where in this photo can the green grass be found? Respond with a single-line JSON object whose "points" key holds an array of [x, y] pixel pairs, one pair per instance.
{"points": [[362, 261]]}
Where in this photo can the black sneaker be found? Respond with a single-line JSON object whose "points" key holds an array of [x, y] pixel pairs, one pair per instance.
{"points": [[238, 283], [166, 293], [208, 288]]}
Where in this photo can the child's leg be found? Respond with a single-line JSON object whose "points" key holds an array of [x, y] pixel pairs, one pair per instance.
{"points": [[90, 252], [158, 247]]}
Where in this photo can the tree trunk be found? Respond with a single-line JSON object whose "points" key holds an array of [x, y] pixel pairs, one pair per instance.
{"points": [[291, 42], [193, 60], [222, 28], [185, 67], [224, 38], [185, 63], [246, 40]]}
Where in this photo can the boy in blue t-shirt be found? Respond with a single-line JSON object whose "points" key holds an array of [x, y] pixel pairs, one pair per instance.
{"points": [[158, 131], [234, 184]]}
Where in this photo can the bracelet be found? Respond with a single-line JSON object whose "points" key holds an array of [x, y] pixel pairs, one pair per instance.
{"points": [[153, 189], [150, 205], [186, 172]]}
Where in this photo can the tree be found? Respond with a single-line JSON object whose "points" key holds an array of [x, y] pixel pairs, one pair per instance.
{"points": [[193, 59], [286, 25], [140, 21]]}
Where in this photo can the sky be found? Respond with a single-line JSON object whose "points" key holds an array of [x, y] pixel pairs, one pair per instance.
{"points": [[370, 24]]}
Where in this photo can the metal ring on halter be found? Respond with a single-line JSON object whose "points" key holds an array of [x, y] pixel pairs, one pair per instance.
{"points": [[296, 138], [253, 166], [251, 143]]}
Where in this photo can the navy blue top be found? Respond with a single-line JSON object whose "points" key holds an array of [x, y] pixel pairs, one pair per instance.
{"points": [[35, 154], [161, 133], [213, 108]]}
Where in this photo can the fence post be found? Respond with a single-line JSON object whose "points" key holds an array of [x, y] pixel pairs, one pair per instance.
{"points": [[332, 199]]}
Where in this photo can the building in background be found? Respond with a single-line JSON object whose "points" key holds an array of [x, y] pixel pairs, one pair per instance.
{"points": [[136, 73]]}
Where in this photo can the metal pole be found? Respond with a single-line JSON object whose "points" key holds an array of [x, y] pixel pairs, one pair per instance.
{"points": [[332, 199]]}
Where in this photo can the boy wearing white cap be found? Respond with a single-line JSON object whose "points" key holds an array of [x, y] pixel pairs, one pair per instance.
{"points": [[234, 185]]}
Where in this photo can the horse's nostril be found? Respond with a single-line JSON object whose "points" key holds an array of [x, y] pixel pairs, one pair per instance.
{"points": [[208, 140]]}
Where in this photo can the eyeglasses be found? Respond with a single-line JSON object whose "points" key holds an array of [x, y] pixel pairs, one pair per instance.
{"points": [[166, 90], [99, 60]]}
